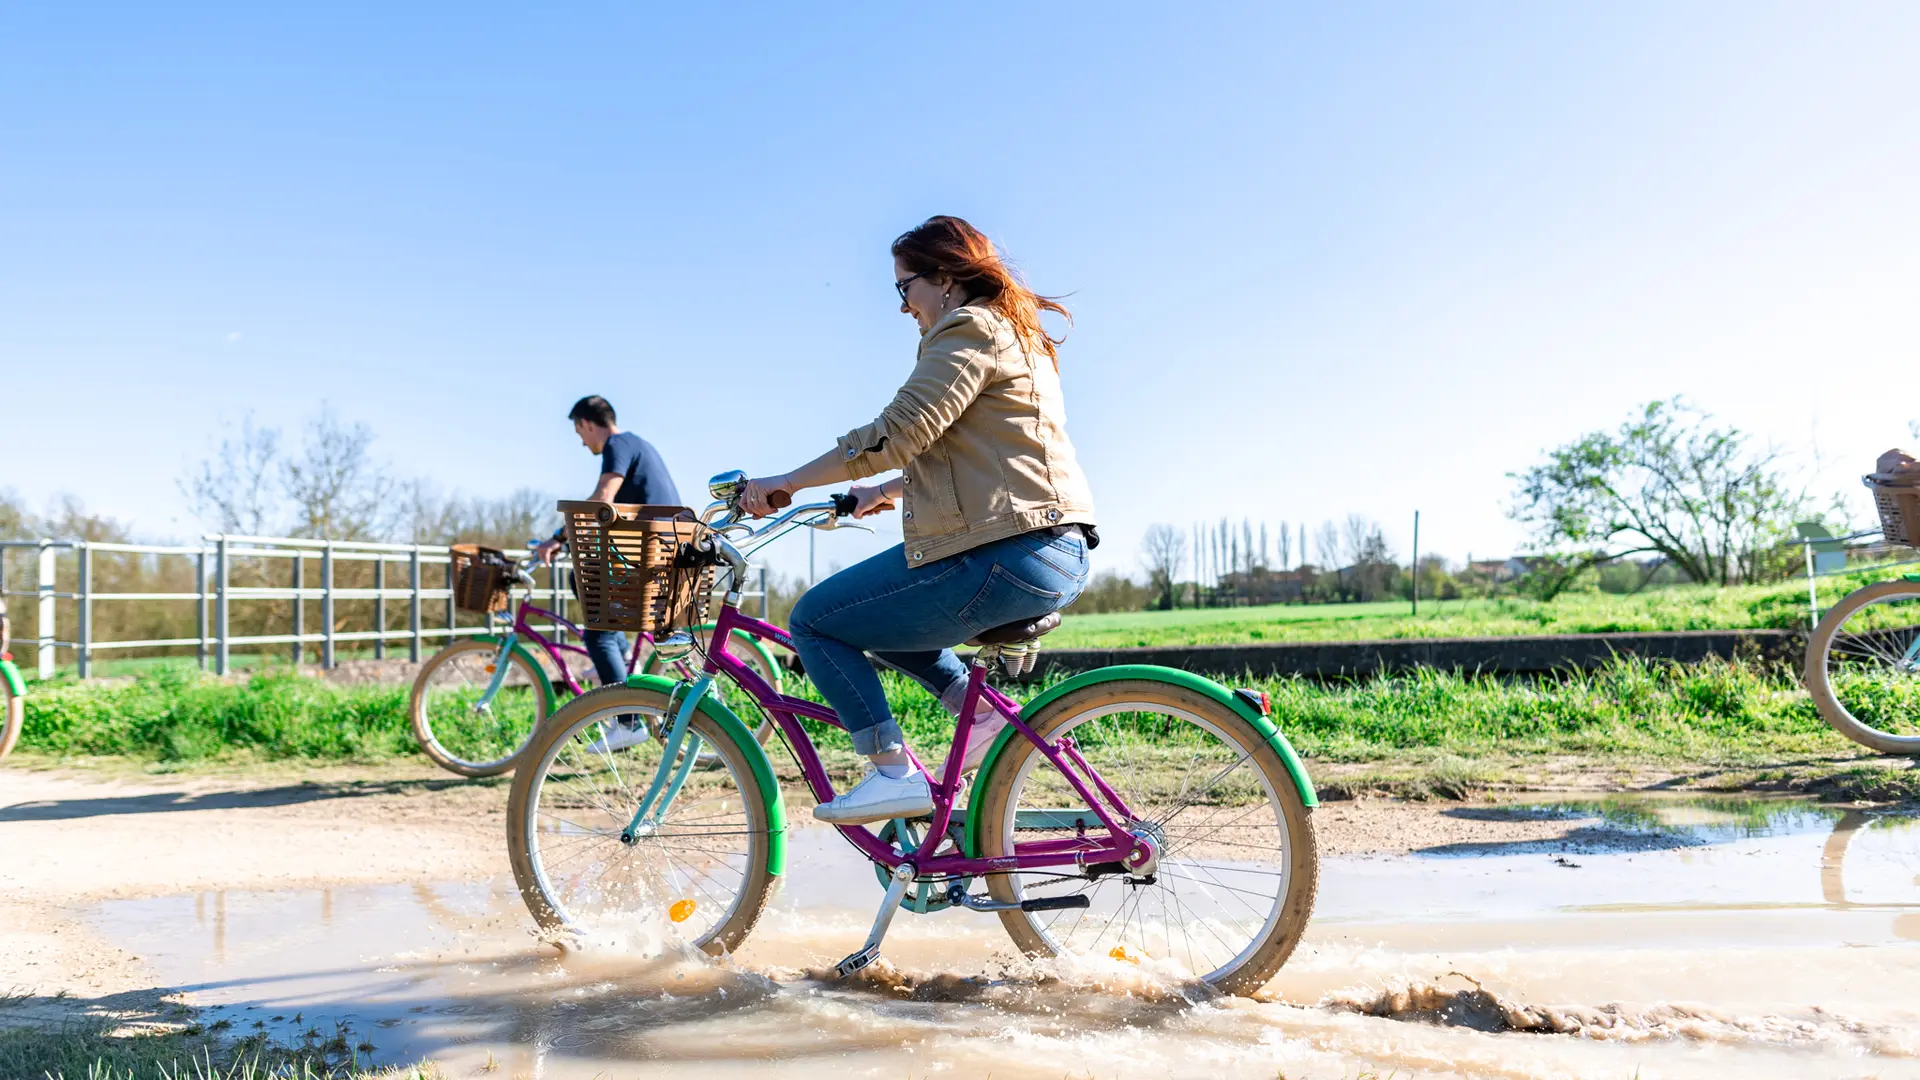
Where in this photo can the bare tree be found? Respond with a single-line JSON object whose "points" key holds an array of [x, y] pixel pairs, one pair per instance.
{"points": [[1326, 544], [338, 490], [234, 490], [1286, 547], [1164, 551]]}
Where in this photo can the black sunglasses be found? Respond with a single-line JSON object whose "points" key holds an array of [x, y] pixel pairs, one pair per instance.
{"points": [[901, 285]]}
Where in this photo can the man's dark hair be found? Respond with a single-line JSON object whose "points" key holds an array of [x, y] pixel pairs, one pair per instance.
{"points": [[594, 409]]}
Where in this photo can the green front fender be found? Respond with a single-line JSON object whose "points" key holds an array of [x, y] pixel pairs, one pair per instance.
{"points": [[16, 685], [520, 650], [742, 737], [1186, 680]]}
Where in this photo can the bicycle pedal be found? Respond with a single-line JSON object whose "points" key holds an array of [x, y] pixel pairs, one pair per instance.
{"points": [[857, 961]]}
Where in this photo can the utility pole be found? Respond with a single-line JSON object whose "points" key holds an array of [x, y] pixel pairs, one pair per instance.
{"points": [[1416, 562]]}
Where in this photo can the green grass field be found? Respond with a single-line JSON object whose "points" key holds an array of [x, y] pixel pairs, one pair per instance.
{"points": [[1728, 714], [1684, 607]]}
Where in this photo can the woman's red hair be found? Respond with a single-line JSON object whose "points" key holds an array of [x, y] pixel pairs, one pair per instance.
{"points": [[950, 246]]}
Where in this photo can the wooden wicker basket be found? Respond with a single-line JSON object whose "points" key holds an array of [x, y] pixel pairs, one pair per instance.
{"points": [[1898, 500], [480, 578], [627, 569]]}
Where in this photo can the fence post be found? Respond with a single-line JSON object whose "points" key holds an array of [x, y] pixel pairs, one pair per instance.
{"points": [[200, 622], [553, 597], [222, 573], [43, 625], [452, 618], [380, 606], [299, 604], [84, 653], [326, 605], [413, 606], [766, 598]]}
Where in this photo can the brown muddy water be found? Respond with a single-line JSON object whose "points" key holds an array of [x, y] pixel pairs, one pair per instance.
{"points": [[1655, 938]]}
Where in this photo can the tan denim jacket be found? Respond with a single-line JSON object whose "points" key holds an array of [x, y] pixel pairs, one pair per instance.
{"points": [[981, 429]]}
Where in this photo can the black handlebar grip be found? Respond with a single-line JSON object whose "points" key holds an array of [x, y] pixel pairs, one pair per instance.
{"points": [[843, 505], [779, 500]]}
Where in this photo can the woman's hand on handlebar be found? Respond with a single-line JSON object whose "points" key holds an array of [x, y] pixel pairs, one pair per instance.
{"points": [[870, 499], [758, 500]]}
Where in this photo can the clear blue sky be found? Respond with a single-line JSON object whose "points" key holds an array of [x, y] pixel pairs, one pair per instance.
{"points": [[1324, 259]]}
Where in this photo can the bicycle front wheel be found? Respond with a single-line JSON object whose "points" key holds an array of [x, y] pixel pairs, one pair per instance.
{"points": [[1863, 667], [1233, 888], [462, 729], [13, 712], [693, 869]]}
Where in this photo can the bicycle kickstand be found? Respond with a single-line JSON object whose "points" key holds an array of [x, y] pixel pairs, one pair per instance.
{"points": [[896, 891]]}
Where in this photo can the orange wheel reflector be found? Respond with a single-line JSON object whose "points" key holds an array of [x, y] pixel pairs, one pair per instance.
{"points": [[1119, 952], [491, 668], [681, 911]]}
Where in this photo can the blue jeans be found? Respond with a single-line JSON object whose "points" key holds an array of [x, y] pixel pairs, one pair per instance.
{"points": [[608, 651], [911, 617]]}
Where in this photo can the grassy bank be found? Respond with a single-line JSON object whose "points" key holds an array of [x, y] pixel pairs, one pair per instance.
{"points": [[1781, 606], [1732, 712]]}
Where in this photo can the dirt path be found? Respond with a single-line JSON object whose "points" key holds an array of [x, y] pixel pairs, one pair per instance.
{"points": [[72, 838]]}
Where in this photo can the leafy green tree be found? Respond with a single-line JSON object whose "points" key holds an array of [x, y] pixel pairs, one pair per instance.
{"points": [[1667, 481]]}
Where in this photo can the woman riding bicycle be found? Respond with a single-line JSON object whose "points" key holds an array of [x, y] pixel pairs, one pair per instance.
{"points": [[997, 515]]}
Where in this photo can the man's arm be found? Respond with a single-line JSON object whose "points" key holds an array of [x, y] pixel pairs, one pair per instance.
{"points": [[605, 489]]}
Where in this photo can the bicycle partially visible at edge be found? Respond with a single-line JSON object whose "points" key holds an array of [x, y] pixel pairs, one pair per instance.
{"points": [[1140, 814]]}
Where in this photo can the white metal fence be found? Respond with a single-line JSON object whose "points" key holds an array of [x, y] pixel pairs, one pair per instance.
{"points": [[214, 594]]}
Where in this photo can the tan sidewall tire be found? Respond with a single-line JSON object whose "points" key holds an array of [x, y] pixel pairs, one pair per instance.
{"points": [[423, 732], [755, 890], [1815, 672], [1304, 882], [11, 719]]}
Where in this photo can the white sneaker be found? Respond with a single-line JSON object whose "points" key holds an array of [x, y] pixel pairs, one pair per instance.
{"points": [[619, 734], [986, 728], [878, 797]]}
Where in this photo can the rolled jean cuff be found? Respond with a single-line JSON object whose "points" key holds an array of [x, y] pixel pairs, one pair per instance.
{"points": [[881, 738], [953, 697]]}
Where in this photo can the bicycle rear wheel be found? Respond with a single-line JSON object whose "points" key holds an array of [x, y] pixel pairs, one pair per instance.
{"points": [[697, 871], [1863, 667], [1233, 888], [456, 728]]}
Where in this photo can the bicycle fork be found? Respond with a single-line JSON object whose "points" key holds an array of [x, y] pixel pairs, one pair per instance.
{"points": [[669, 778], [500, 660]]}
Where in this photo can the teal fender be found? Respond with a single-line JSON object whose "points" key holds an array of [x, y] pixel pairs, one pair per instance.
{"points": [[520, 650], [12, 675], [742, 736], [1186, 680]]}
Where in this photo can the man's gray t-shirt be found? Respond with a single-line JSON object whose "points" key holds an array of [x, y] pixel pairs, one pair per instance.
{"points": [[643, 475]]}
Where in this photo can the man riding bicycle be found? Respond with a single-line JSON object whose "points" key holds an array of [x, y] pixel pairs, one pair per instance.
{"points": [[631, 471]]}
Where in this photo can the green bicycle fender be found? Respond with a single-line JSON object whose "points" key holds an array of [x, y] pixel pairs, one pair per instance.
{"points": [[743, 739], [741, 637], [10, 673], [520, 650], [1149, 673]]}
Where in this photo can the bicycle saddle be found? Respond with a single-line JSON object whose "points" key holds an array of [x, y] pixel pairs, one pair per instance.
{"points": [[1015, 632]]}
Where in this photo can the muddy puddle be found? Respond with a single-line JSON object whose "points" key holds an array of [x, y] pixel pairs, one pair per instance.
{"points": [[1644, 937]]}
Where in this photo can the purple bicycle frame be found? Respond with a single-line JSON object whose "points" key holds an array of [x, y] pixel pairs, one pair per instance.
{"points": [[523, 628], [1118, 845]]}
